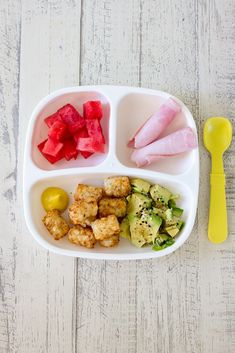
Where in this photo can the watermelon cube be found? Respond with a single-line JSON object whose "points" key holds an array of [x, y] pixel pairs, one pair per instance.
{"points": [[69, 114], [50, 159], [78, 125], [50, 120], [70, 149], [86, 154], [89, 144], [58, 131], [52, 147], [82, 133], [94, 130], [92, 110]]}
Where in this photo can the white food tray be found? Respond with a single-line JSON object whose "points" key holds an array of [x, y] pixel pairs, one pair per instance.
{"points": [[125, 109]]}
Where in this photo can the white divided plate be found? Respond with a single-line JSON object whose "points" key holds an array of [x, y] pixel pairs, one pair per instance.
{"points": [[125, 109]]}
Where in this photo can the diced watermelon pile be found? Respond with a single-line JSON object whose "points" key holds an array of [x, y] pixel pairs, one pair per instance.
{"points": [[69, 133]]}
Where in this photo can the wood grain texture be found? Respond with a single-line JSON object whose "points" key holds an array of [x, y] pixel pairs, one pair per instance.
{"points": [[182, 303], [107, 291], [9, 104], [169, 61], [45, 285], [217, 275]]}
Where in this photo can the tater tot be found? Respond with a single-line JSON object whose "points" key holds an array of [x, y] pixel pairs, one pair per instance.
{"points": [[88, 193], [115, 206], [110, 242], [83, 213], [117, 186], [82, 236], [105, 227], [55, 224]]}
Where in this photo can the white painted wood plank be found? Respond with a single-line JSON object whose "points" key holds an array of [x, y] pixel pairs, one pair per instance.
{"points": [[45, 283], [110, 42], [168, 304], [217, 93], [9, 90], [106, 295]]}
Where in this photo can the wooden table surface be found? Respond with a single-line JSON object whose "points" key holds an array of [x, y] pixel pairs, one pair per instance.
{"points": [[183, 303]]}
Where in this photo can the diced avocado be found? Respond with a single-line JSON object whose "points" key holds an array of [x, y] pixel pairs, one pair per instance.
{"points": [[162, 241], [162, 238], [153, 222], [169, 215], [161, 205], [166, 244], [172, 230], [180, 224], [125, 229], [152, 216], [144, 230], [172, 215], [159, 212], [165, 214], [138, 232], [137, 202], [160, 193], [177, 212], [171, 203], [174, 222], [140, 185]]}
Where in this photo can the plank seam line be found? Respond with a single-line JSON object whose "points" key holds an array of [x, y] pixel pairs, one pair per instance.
{"points": [[140, 43]]}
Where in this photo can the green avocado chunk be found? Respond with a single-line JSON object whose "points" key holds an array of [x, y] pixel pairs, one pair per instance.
{"points": [[180, 224], [159, 212], [177, 212], [162, 242], [153, 222], [138, 232], [168, 215], [125, 229], [159, 193], [144, 229], [171, 203], [174, 229], [136, 203], [140, 185]]}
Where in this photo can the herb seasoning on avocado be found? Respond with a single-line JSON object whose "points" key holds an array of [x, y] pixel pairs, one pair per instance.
{"points": [[153, 217]]}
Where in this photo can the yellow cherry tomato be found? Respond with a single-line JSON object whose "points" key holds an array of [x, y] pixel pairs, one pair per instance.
{"points": [[54, 198]]}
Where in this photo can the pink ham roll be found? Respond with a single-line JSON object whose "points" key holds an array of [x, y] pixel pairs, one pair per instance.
{"points": [[178, 142], [154, 126]]}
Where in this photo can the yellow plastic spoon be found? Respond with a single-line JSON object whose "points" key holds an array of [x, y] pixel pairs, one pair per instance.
{"points": [[217, 138]]}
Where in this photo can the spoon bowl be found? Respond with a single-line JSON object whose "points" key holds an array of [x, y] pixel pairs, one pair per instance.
{"points": [[217, 134]]}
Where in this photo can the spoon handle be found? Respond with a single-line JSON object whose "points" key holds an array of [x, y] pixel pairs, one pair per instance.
{"points": [[217, 229]]}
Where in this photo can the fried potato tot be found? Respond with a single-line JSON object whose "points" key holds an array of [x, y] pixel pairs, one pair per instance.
{"points": [[117, 186], [83, 213], [82, 236], [105, 227], [55, 224], [88, 193], [110, 242], [115, 206]]}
